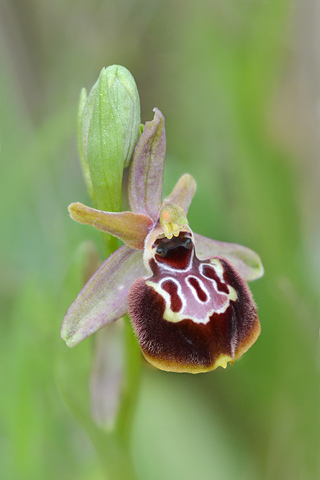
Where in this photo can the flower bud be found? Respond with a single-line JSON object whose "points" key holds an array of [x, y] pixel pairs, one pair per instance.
{"points": [[108, 130]]}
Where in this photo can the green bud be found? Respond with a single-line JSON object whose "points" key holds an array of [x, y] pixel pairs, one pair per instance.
{"points": [[84, 163], [108, 130]]}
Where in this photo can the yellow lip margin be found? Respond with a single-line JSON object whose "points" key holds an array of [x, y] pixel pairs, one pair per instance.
{"points": [[171, 366]]}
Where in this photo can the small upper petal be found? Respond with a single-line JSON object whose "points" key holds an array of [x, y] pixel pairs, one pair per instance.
{"points": [[131, 228], [183, 192]]}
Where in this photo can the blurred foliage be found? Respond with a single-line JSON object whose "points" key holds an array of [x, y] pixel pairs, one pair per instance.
{"points": [[220, 73]]}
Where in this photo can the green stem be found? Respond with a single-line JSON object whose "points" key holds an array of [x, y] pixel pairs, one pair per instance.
{"points": [[115, 459], [111, 243], [132, 372], [117, 463]]}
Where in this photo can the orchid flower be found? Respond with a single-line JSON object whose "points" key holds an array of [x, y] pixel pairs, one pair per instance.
{"points": [[186, 294]]}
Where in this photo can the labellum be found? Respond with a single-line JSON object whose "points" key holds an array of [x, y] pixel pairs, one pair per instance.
{"points": [[190, 315]]}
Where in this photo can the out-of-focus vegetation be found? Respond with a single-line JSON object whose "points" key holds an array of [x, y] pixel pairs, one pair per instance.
{"points": [[237, 83]]}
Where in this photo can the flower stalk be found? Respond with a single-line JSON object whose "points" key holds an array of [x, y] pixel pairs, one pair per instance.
{"points": [[132, 374], [186, 295], [108, 130]]}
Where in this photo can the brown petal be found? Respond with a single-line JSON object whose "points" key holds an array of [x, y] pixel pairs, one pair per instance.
{"points": [[131, 228], [183, 192]]}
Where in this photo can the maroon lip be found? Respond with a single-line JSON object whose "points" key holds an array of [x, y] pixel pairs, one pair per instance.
{"points": [[186, 345]]}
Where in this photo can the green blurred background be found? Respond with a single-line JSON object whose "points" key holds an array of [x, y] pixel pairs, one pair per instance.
{"points": [[238, 83]]}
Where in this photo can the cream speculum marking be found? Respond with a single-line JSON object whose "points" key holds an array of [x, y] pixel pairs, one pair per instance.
{"points": [[180, 278]]}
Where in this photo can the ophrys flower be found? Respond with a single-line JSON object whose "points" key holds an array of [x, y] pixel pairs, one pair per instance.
{"points": [[186, 294]]}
